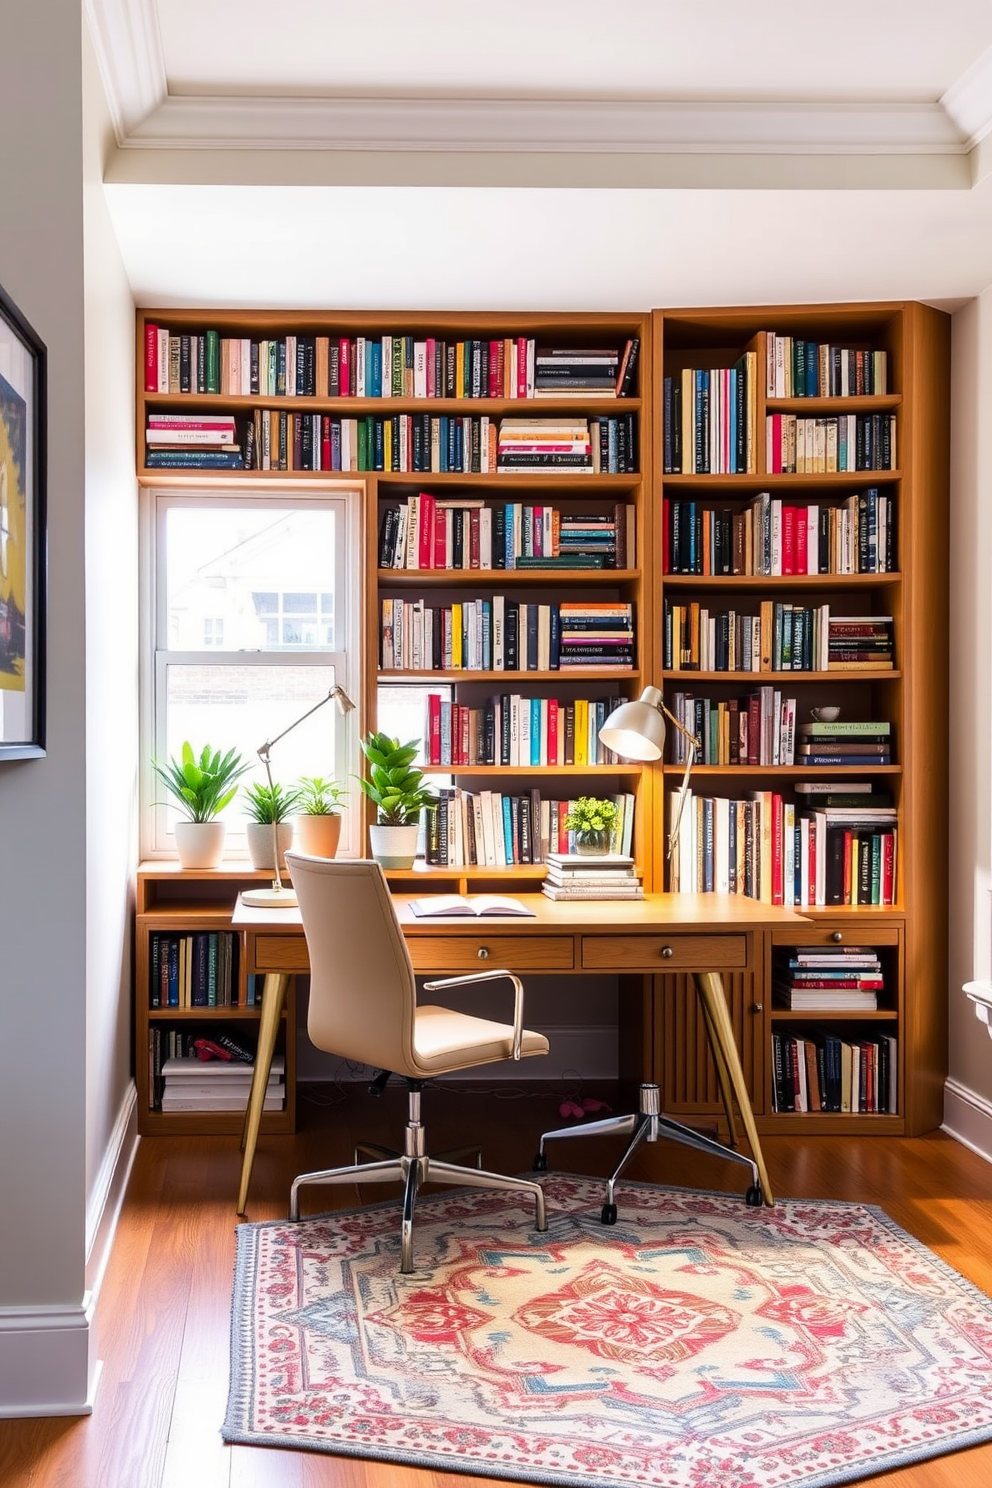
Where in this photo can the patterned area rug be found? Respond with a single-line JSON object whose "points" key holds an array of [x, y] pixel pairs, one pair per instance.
{"points": [[698, 1342]]}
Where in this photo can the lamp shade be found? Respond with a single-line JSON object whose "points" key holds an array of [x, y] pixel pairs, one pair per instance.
{"points": [[637, 730]]}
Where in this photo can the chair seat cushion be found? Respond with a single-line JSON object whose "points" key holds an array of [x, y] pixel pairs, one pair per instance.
{"points": [[446, 1040]]}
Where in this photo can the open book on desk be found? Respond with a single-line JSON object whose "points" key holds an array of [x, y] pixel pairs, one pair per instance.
{"points": [[442, 906]]}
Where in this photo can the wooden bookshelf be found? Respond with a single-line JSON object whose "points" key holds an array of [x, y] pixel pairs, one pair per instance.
{"points": [[171, 902], [911, 694], [910, 934]]}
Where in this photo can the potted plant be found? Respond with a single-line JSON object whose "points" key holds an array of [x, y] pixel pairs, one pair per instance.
{"points": [[396, 785], [593, 821], [319, 804], [267, 805], [201, 786]]}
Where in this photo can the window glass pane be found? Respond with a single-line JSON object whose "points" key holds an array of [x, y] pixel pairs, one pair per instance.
{"points": [[240, 565], [245, 706]]}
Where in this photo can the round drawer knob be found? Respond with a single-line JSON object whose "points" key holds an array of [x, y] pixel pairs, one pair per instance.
{"points": [[837, 936], [483, 953], [667, 952], [756, 1007]]}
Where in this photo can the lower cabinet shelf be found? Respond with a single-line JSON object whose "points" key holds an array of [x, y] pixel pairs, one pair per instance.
{"points": [[194, 1004]]}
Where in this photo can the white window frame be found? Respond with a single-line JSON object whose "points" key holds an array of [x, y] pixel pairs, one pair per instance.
{"points": [[155, 842]]}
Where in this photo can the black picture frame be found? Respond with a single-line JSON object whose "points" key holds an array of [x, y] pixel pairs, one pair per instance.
{"points": [[23, 535]]}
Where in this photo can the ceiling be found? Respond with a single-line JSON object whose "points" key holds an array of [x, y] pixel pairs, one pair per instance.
{"points": [[560, 154]]}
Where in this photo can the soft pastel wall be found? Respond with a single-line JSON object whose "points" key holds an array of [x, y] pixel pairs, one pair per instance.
{"points": [[63, 935]]}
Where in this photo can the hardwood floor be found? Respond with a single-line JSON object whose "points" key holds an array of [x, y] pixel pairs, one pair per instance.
{"points": [[163, 1313]]}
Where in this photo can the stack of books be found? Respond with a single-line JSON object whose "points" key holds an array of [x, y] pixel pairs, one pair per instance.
{"points": [[178, 441], [859, 642], [828, 978], [596, 634], [561, 370], [544, 444], [583, 876], [218, 1085], [848, 743]]}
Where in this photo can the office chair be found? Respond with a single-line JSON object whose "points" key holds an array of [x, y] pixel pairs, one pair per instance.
{"points": [[363, 1006], [648, 1123]]}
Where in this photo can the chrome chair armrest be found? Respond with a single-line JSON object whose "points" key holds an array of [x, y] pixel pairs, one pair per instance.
{"points": [[491, 976]]}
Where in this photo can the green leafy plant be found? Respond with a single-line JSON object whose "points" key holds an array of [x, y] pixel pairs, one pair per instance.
{"points": [[202, 786], [319, 797], [269, 803], [394, 783], [591, 814]]}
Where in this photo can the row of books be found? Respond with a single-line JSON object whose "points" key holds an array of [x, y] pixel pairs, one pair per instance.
{"points": [[194, 970], [781, 637], [795, 445], [275, 439], [772, 537], [390, 366], [500, 634], [756, 729], [498, 830], [572, 877], [439, 533], [796, 368], [760, 728], [563, 445], [810, 854], [709, 419], [512, 730], [821, 1071], [843, 979]]}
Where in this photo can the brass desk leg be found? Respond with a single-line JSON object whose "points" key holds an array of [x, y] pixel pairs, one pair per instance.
{"points": [[709, 985], [722, 1074], [273, 998]]}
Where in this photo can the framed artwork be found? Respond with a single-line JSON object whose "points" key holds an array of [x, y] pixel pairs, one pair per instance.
{"points": [[22, 536]]}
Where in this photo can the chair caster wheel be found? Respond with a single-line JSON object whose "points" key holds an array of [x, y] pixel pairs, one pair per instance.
{"points": [[540, 1163], [753, 1198], [609, 1214]]}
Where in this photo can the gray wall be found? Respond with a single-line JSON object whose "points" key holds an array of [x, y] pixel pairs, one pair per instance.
{"points": [[65, 850]]}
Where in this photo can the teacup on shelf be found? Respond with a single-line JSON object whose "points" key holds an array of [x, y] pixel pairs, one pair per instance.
{"points": [[825, 715]]}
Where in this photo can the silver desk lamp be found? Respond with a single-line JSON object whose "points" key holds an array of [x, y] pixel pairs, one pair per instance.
{"points": [[279, 896]]}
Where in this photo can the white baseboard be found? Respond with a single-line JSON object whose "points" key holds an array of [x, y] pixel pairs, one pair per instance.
{"points": [[968, 1119], [48, 1355]]}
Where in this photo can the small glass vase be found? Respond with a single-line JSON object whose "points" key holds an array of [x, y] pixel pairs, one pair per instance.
{"points": [[591, 843]]}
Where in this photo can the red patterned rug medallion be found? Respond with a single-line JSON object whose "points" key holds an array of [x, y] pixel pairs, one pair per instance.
{"points": [[698, 1342]]}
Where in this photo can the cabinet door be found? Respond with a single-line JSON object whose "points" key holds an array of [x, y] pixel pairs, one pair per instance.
{"points": [[683, 1063]]}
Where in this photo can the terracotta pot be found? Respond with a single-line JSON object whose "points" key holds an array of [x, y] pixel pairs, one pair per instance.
{"points": [[259, 835], [200, 844], [394, 847], [318, 836]]}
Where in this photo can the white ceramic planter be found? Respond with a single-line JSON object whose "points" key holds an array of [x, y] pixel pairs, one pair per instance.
{"points": [[394, 847], [259, 835], [318, 836], [200, 844]]}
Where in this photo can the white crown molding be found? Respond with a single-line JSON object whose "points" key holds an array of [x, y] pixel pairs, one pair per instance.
{"points": [[528, 126], [968, 102], [129, 53]]}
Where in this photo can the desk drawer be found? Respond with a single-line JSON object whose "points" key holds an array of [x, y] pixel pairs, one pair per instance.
{"points": [[441, 953], [663, 952], [280, 953]]}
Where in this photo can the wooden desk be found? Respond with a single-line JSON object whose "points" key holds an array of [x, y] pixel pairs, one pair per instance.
{"points": [[704, 934]]}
